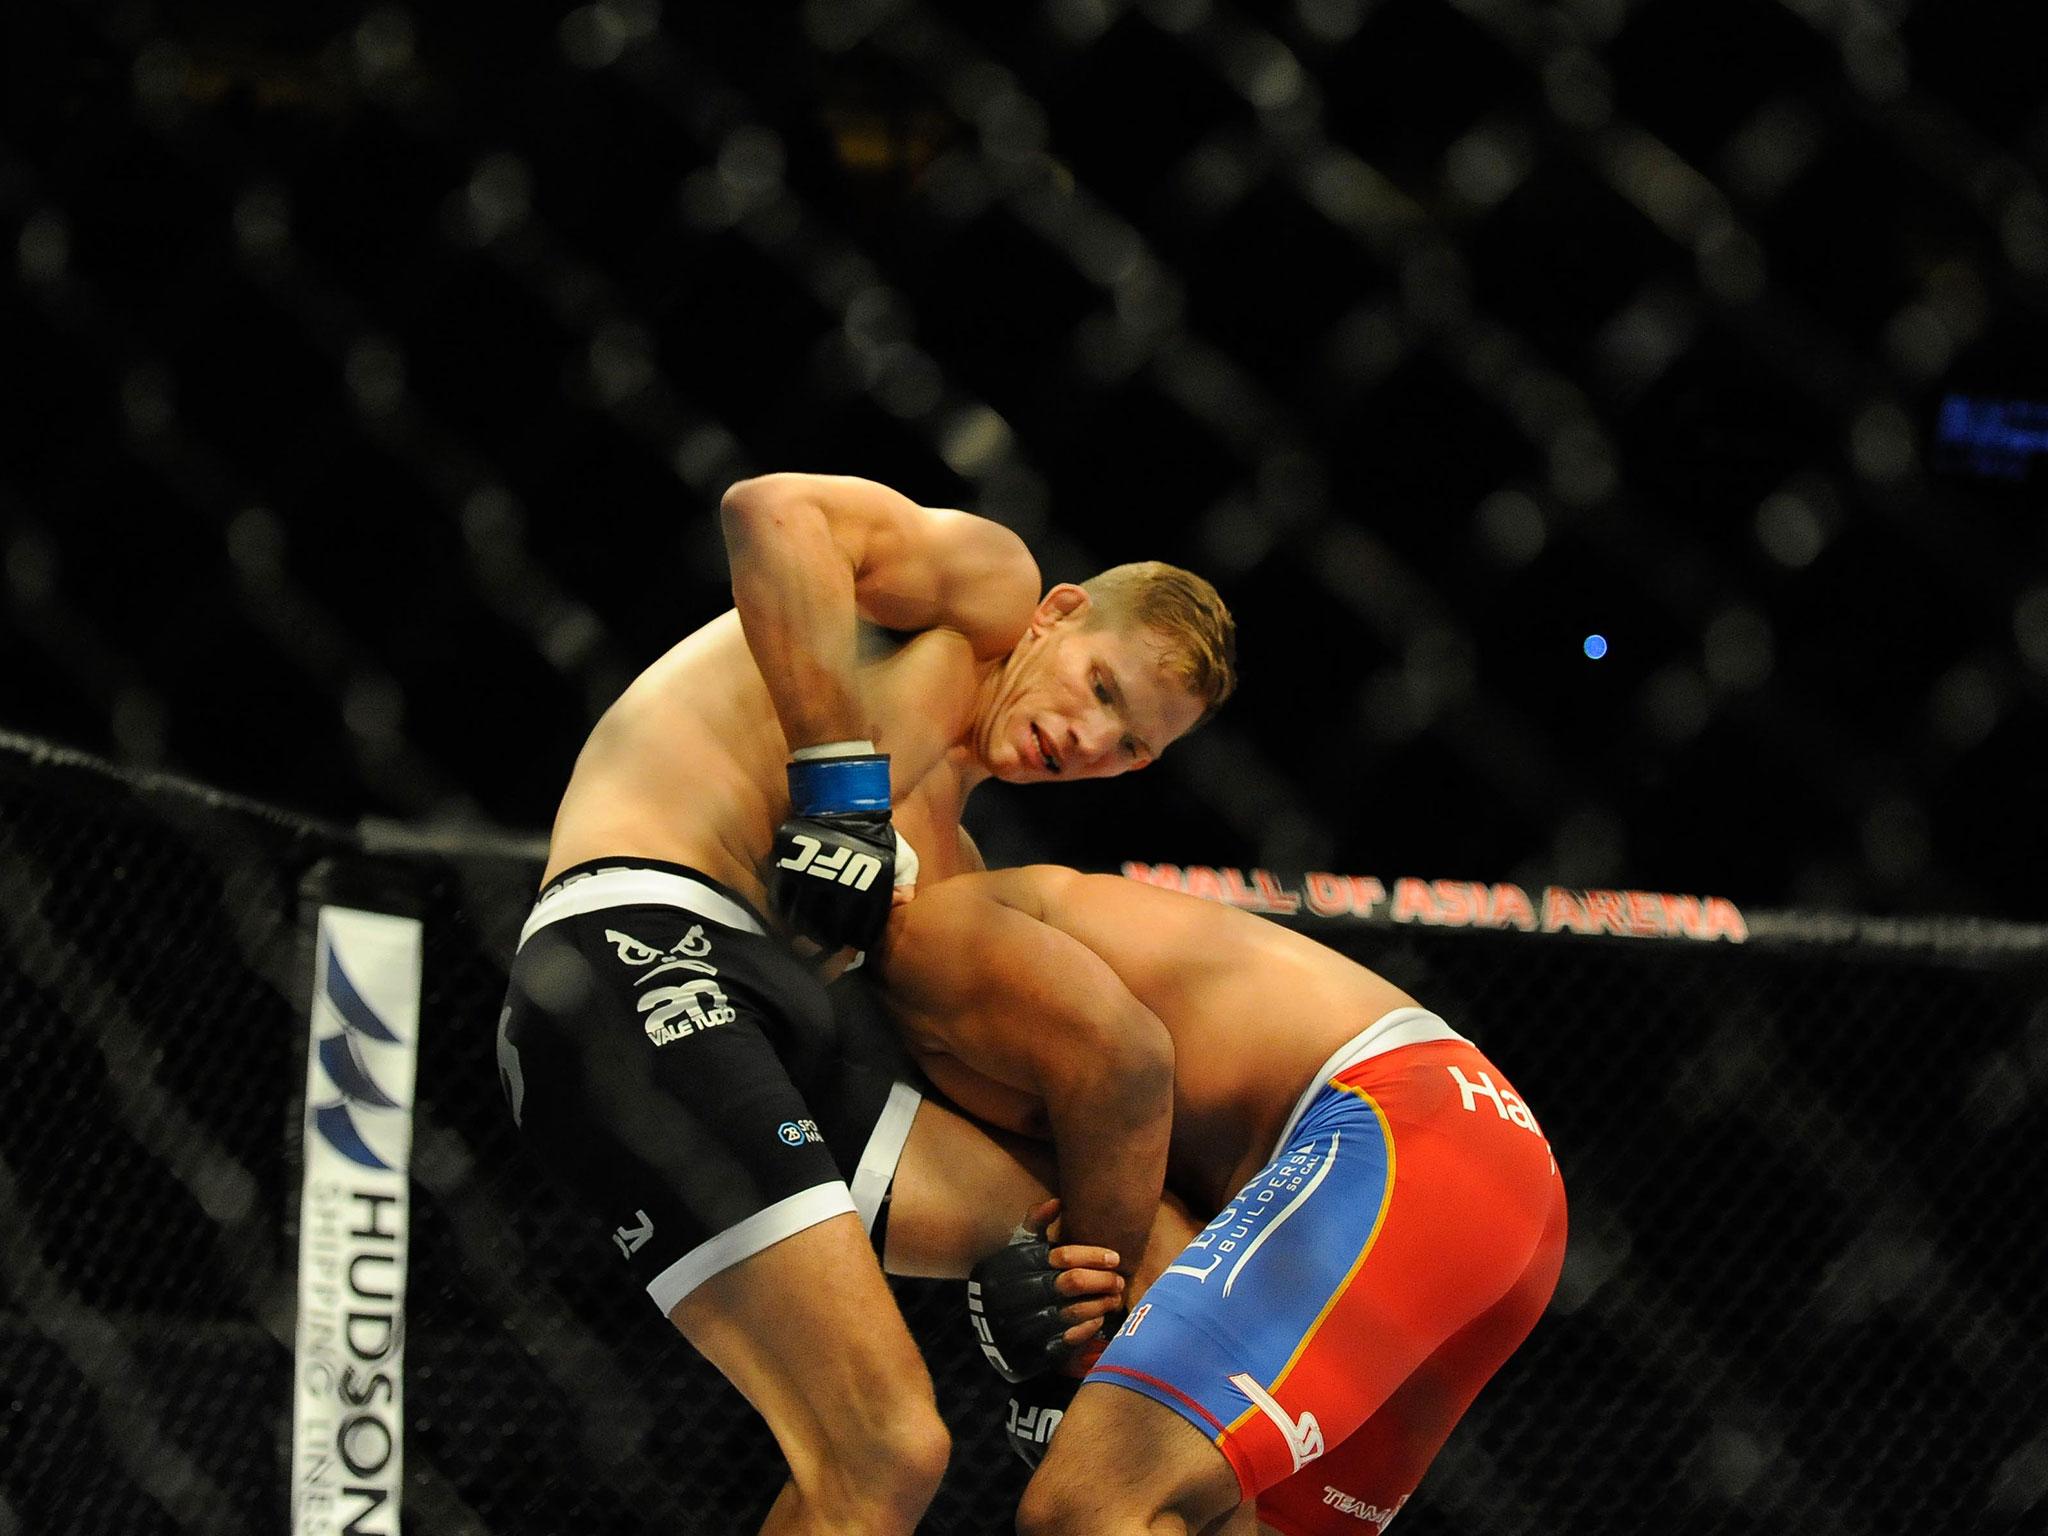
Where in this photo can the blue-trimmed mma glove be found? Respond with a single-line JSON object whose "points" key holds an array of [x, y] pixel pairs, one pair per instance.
{"points": [[838, 858], [1014, 1304]]}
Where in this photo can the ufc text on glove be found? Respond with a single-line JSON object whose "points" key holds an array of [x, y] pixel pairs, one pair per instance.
{"points": [[1014, 1304], [838, 858]]}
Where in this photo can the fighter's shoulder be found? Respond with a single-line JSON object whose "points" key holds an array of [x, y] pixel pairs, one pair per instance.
{"points": [[987, 577], [977, 545], [1040, 890]]}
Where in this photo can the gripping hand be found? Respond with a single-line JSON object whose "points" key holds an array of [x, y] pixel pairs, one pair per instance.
{"points": [[1015, 1310], [835, 862], [1024, 1321]]}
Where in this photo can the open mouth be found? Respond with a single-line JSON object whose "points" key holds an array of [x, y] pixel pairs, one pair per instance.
{"points": [[1052, 764]]}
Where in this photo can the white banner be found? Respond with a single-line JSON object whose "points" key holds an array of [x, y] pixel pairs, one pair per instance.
{"points": [[348, 1421]]}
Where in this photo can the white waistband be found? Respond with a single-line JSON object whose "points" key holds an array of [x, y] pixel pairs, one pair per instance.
{"points": [[628, 886], [1389, 1032]]}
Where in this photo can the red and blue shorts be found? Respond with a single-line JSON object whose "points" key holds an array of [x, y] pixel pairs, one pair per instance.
{"points": [[1331, 1326]]}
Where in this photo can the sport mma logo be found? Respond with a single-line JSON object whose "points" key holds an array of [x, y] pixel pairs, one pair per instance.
{"points": [[629, 1239]]}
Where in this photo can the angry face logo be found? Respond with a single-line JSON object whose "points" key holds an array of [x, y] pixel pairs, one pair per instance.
{"points": [[680, 1008], [686, 954]]}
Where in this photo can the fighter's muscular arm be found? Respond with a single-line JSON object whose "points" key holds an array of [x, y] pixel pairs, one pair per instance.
{"points": [[1033, 1010], [811, 554]]}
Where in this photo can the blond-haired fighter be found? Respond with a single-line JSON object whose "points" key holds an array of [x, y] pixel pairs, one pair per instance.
{"points": [[1388, 1222], [670, 1057]]}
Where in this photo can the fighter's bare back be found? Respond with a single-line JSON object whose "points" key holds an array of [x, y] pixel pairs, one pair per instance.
{"points": [[1253, 1008]]}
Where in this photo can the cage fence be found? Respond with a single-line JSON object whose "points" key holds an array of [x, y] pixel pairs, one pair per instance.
{"points": [[1803, 1289]]}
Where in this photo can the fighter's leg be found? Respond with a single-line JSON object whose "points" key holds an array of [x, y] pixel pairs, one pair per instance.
{"points": [[1124, 1465], [643, 1048], [809, 1333], [1242, 1521], [960, 1189], [963, 1186], [939, 1188], [1373, 1472]]}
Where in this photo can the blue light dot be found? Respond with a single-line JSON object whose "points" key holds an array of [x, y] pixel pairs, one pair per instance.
{"points": [[1596, 646]]}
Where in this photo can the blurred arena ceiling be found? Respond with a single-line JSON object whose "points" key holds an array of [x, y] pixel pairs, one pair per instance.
{"points": [[373, 372]]}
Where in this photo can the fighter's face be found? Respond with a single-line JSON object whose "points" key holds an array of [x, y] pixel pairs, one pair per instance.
{"points": [[1078, 701]]}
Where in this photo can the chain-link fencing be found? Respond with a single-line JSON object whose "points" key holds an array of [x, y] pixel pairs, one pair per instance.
{"points": [[1803, 1292]]}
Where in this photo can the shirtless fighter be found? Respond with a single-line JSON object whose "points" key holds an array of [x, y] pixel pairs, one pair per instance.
{"points": [[1390, 1223], [669, 1056]]}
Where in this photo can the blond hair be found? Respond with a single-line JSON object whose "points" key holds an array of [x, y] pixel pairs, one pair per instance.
{"points": [[1184, 611]]}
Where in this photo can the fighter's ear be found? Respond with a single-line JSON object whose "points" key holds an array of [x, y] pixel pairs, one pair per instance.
{"points": [[1065, 601]]}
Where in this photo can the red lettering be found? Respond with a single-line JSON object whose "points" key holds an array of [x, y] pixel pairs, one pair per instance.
{"points": [[1273, 896], [1511, 905], [1645, 913], [1204, 882], [1562, 909], [1604, 907], [1167, 875], [1682, 915], [1457, 903], [1328, 895], [1366, 894], [1412, 902], [1724, 921]]}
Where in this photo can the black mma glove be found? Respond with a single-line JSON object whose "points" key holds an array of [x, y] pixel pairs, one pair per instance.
{"points": [[1034, 1412], [1037, 1407], [1015, 1308], [838, 858]]}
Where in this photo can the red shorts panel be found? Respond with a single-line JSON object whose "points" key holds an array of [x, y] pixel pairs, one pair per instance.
{"points": [[1333, 1324]]}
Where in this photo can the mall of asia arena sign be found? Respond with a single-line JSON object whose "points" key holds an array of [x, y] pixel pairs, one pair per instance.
{"points": [[1455, 903]]}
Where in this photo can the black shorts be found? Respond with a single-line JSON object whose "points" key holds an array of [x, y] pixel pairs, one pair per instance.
{"points": [[687, 1078]]}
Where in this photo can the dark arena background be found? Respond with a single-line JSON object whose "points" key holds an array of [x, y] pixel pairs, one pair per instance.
{"points": [[1621, 430]]}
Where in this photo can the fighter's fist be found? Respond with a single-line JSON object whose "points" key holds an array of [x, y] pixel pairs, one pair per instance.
{"points": [[833, 868]]}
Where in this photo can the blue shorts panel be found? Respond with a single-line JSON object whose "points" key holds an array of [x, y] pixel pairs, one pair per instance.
{"points": [[1247, 1291]]}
